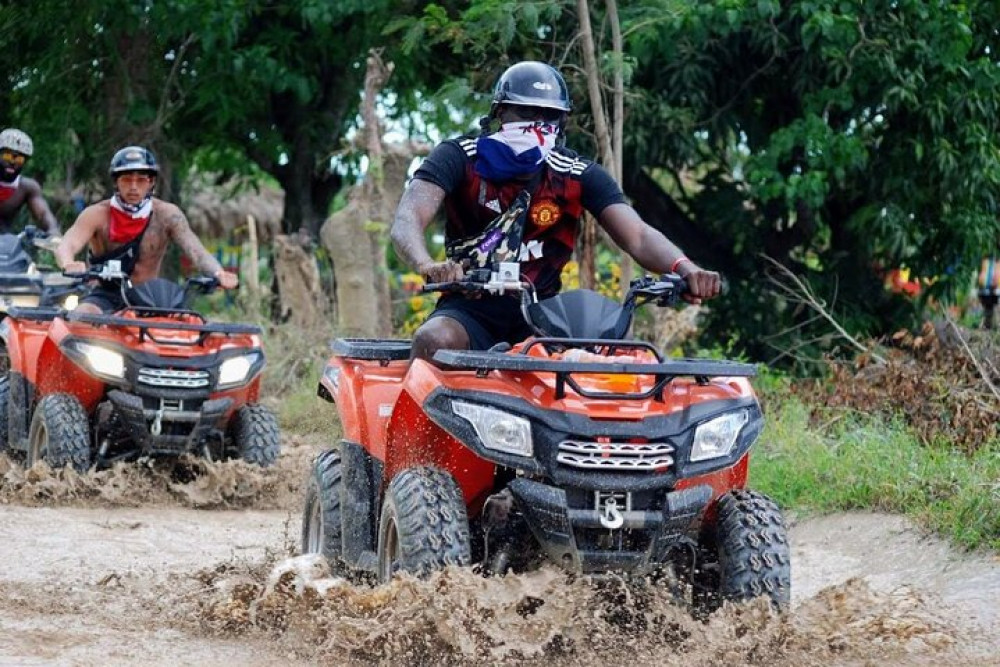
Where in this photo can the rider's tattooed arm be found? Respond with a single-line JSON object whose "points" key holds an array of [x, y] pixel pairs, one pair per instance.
{"points": [[190, 245], [420, 202]]}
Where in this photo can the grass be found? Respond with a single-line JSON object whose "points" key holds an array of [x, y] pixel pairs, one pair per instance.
{"points": [[859, 461]]}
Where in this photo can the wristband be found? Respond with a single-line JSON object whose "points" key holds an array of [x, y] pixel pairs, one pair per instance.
{"points": [[673, 267]]}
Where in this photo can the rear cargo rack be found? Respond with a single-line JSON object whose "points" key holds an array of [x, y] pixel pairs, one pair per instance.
{"points": [[382, 350]]}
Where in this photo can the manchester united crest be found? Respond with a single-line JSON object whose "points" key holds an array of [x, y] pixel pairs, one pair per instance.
{"points": [[544, 213]]}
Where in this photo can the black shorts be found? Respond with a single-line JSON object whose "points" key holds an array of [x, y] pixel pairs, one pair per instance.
{"points": [[488, 320], [106, 297]]}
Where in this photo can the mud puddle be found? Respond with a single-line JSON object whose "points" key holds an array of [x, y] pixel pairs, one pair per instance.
{"points": [[169, 585], [192, 482]]}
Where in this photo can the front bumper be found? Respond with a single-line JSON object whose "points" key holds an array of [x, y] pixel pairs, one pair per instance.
{"points": [[574, 537], [172, 431]]}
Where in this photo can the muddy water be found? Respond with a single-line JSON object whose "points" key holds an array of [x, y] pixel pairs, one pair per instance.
{"points": [[154, 565]]}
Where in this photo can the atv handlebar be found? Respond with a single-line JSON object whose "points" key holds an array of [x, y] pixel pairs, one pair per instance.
{"points": [[111, 271], [664, 290], [482, 280]]}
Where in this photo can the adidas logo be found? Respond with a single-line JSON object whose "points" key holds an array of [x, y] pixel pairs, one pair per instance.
{"points": [[493, 205]]}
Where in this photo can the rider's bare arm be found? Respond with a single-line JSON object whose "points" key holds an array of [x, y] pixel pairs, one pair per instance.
{"points": [[77, 237], [654, 251], [40, 209], [417, 207], [182, 234]]}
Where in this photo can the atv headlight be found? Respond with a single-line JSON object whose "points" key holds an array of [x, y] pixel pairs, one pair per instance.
{"points": [[234, 370], [71, 302], [717, 437], [102, 361], [497, 429]]}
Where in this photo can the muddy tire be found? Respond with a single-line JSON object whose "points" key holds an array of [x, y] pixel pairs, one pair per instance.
{"points": [[59, 433], [750, 550], [321, 521], [424, 525], [4, 407], [254, 432]]}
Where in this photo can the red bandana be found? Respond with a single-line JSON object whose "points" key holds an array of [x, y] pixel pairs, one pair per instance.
{"points": [[7, 190], [127, 226]]}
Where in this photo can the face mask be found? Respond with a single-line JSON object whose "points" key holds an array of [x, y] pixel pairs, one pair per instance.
{"points": [[516, 149], [128, 221]]}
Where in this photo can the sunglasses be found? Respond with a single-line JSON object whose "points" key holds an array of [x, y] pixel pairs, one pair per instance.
{"points": [[135, 179], [11, 157]]}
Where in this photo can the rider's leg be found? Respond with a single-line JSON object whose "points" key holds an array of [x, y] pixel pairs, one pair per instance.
{"points": [[438, 333]]}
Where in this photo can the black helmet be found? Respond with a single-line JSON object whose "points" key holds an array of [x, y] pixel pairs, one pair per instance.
{"points": [[531, 84], [134, 158]]}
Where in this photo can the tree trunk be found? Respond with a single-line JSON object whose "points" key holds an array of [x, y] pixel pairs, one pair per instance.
{"points": [[588, 232], [297, 276], [355, 235], [618, 122]]}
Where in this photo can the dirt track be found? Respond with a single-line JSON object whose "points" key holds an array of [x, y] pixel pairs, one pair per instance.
{"points": [[163, 583]]}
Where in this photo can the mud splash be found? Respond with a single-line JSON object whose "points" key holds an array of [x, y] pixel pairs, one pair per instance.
{"points": [[191, 482], [459, 618]]}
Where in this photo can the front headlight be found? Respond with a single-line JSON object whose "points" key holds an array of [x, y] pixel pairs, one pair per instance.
{"points": [[717, 437], [235, 369], [498, 430], [102, 361], [71, 302]]}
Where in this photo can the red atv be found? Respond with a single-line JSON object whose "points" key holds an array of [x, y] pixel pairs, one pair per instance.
{"points": [[155, 379], [579, 446]]}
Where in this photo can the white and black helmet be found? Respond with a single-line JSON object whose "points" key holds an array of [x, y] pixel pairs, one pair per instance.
{"points": [[134, 158], [17, 141], [533, 84]]}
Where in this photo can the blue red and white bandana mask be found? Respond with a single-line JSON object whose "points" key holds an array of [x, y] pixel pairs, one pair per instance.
{"points": [[516, 149]]}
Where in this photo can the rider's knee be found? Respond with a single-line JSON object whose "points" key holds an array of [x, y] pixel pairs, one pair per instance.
{"points": [[88, 308], [438, 334]]}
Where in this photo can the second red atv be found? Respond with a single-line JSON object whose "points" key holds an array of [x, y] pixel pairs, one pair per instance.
{"points": [[155, 379], [579, 446]]}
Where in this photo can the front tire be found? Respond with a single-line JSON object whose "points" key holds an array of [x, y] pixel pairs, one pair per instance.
{"points": [[59, 433], [4, 407], [424, 524], [321, 517], [748, 553], [255, 433]]}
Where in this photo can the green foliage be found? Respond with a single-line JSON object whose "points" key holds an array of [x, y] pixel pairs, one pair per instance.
{"points": [[833, 136], [855, 461]]}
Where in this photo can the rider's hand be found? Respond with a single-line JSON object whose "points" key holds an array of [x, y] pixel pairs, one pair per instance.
{"points": [[226, 279], [441, 272], [75, 267], [702, 284]]}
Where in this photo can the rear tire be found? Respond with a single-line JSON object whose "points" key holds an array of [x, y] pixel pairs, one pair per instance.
{"points": [[321, 517], [254, 431], [751, 556], [424, 525], [59, 433]]}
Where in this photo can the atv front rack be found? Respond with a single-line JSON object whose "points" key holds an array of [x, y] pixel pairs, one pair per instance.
{"points": [[145, 327], [663, 371]]}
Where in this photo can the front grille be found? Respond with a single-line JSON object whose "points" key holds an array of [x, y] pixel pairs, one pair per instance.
{"points": [[616, 456], [181, 379]]}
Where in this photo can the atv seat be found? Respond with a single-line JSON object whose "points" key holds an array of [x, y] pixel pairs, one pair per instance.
{"points": [[372, 349]]}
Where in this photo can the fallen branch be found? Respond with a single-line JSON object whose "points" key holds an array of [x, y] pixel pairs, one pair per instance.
{"points": [[800, 292]]}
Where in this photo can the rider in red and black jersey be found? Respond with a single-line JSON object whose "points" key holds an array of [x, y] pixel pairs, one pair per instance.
{"points": [[479, 178]]}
